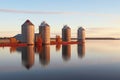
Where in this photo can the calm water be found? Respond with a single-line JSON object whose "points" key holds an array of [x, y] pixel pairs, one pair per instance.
{"points": [[94, 60]]}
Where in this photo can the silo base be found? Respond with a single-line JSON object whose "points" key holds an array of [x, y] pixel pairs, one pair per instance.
{"points": [[80, 40], [45, 43], [30, 44]]}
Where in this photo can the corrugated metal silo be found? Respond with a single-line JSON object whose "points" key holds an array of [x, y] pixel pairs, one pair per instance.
{"points": [[81, 34], [28, 32], [44, 30], [66, 33]]}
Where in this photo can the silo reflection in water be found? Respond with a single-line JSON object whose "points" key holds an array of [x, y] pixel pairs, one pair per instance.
{"points": [[28, 56], [44, 56], [58, 46], [66, 52], [81, 50], [12, 49]]}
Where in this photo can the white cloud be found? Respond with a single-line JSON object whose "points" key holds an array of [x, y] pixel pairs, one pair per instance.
{"points": [[103, 32]]}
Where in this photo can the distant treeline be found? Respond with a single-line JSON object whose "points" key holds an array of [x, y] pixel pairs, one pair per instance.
{"points": [[4, 37], [100, 38], [90, 38]]}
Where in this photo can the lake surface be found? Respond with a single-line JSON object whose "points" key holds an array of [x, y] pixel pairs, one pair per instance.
{"points": [[94, 60]]}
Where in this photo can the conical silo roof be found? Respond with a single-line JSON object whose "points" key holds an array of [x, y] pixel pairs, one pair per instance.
{"points": [[28, 22], [66, 27], [81, 28], [44, 24], [28, 66]]}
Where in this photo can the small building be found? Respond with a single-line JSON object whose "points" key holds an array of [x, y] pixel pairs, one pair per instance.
{"points": [[13, 40], [58, 39], [66, 33], [18, 37], [38, 39]]}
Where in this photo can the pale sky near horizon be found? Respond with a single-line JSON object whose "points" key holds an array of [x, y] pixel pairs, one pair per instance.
{"points": [[100, 18]]}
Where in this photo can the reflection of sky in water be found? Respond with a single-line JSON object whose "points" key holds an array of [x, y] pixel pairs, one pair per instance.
{"points": [[104, 52], [92, 60]]}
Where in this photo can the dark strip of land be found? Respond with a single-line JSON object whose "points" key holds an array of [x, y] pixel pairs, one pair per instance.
{"points": [[91, 38], [101, 39]]}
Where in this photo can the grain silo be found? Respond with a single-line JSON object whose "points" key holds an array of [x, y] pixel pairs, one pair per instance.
{"points": [[44, 30], [28, 33], [66, 33], [81, 34]]}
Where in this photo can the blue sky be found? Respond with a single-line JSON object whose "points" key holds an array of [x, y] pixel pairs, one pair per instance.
{"points": [[95, 14]]}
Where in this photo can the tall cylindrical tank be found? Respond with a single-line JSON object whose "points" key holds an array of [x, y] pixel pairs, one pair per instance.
{"points": [[66, 33], [28, 32], [81, 34], [44, 30]]}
